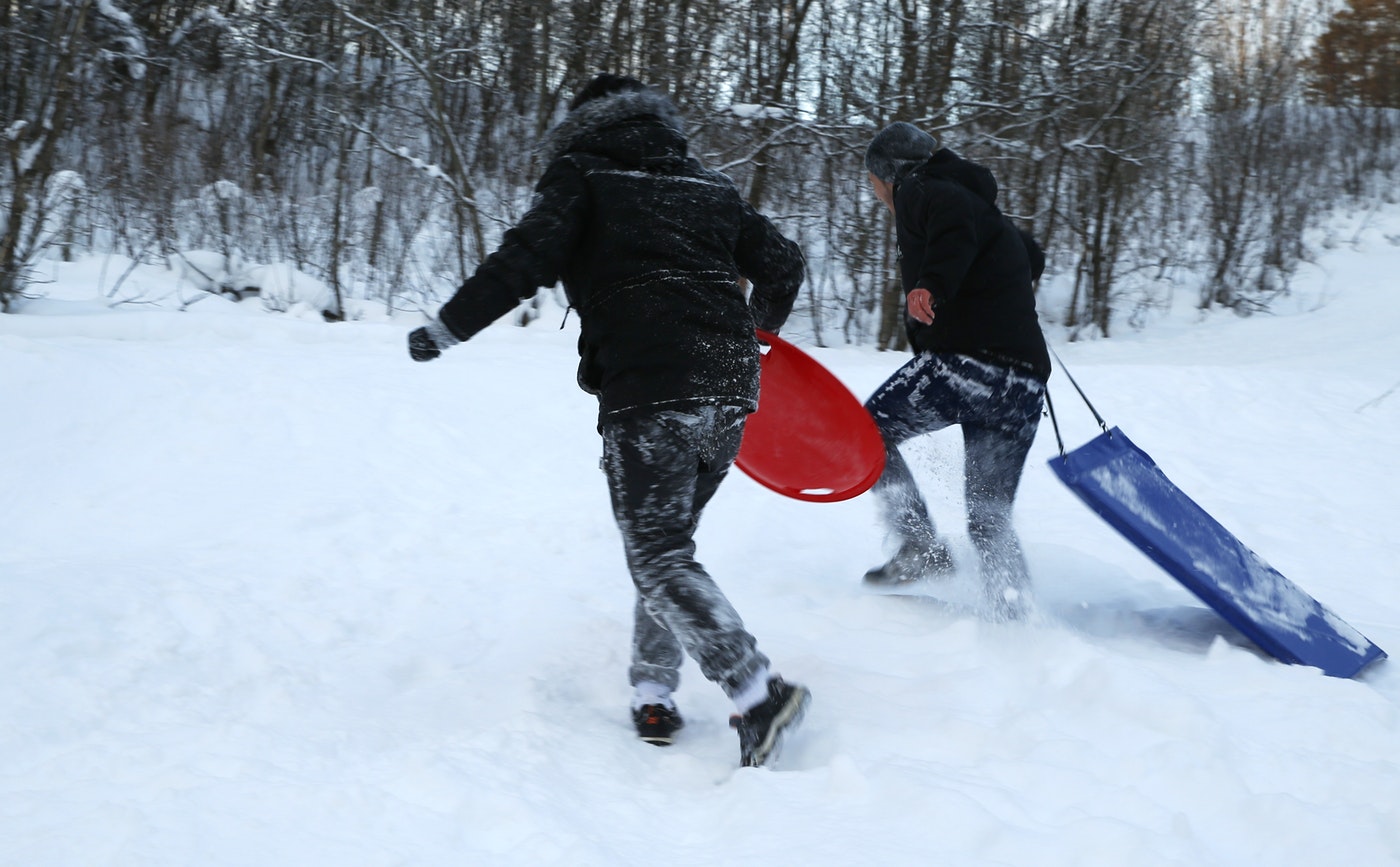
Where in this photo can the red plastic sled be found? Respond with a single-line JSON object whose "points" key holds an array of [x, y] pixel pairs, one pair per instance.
{"points": [[810, 439]]}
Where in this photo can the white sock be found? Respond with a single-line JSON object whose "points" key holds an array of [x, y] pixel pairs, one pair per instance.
{"points": [[754, 693], [651, 692]]}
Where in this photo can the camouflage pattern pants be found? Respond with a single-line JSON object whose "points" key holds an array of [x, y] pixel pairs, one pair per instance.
{"points": [[998, 409], [662, 469]]}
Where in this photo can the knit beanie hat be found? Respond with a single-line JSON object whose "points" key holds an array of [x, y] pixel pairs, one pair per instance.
{"points": [[896, 148], [603, 84]]}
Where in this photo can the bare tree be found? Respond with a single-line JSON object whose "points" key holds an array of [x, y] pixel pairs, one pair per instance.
{"points": [[45, 50], [1099, 113], [1261, 152], [383, 145]]}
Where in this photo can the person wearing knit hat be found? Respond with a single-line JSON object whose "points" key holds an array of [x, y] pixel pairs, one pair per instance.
{"points": [[652, 249], [897, 149], [980, 360]]}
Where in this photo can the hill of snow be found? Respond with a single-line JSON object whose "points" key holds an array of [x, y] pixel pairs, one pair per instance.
{"points": [[272, 594]]}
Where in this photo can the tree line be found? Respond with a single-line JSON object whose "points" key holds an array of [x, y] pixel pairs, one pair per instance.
{"points": [[384, 145]]}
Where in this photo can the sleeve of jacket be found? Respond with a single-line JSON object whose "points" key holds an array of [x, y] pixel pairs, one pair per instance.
{"points": [[947, 221], [533, 253], [1033, 253], [773, 264]]}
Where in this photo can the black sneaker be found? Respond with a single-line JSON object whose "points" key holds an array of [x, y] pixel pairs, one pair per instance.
{"points": [[761, 730], [657, 724], [912, 562]]}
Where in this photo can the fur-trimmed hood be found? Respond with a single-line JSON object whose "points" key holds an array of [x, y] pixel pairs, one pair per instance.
{"points": [[597, 115]]}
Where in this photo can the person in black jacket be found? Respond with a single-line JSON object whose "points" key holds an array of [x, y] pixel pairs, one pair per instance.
{"points": [[980, 360], [651, 247]]}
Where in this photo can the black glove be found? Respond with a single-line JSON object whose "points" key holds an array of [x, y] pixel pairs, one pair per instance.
{"points": [[421, 346], [428, 342]]}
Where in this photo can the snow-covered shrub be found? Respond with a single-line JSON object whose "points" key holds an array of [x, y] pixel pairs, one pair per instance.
{"points": [[211, 271], [284, 289]]}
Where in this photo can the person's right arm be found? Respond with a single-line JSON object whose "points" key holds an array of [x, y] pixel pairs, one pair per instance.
{"points": [[944, 217], [533, 253]]}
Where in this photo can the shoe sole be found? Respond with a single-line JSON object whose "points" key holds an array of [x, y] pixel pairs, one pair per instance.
{"points": [[655, 729], [936, 567], [875, 578], [789, 715], [883, 581]]}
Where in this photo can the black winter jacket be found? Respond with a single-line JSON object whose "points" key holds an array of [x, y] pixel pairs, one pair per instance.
{"points": [[650, 247], [956, 243]]}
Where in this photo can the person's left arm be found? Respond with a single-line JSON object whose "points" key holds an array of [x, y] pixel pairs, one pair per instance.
{"points": [[774, 265], [1034, 254]]}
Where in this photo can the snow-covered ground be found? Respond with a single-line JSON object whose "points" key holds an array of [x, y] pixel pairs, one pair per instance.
{"points": [[272, 594]]}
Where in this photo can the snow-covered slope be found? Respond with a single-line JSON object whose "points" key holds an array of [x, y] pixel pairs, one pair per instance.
{"points": [[271, 594]]}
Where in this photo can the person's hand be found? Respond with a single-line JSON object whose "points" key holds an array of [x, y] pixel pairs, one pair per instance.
{"points": [[421, 346], [921, 305], [428, 342]]}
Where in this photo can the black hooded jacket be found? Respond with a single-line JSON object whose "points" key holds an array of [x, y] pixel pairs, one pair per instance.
{"points": [[977, 265], [650, 247]]}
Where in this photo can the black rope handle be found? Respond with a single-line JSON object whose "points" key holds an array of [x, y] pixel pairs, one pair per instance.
{"points": [[1103, 425], [1054, 422]]}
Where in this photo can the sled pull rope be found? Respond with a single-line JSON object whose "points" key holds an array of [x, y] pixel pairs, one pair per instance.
{"points": [[1054, 422], [1103, 425]]}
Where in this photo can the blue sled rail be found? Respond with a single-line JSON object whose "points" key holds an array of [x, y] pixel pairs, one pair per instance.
{"points": [[1123, 485]]}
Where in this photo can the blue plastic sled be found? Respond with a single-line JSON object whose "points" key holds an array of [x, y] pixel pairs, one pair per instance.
{"points": [[1123, 485]]}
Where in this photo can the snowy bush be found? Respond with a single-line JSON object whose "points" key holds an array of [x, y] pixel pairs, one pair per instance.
{"points": [[210, 271], [282, 288]]}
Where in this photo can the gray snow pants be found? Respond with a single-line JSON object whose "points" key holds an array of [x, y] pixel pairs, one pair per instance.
{"points": [[662, 469], [999, 410]]}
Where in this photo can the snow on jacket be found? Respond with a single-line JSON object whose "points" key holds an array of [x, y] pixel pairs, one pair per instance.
{"points": [[650, 247], [977, 265]]}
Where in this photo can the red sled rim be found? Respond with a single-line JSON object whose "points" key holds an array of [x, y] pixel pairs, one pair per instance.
{"points": [[811, 438]]}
